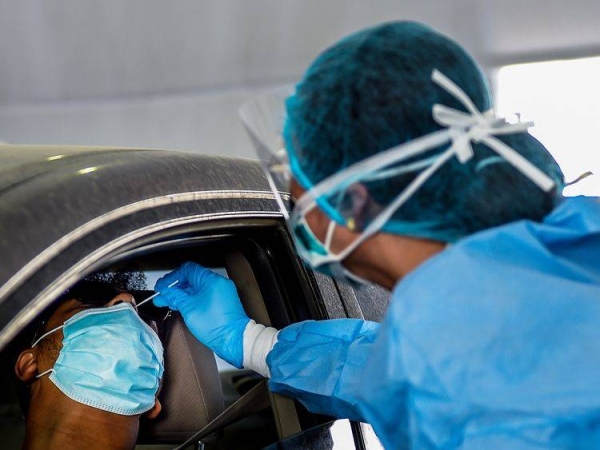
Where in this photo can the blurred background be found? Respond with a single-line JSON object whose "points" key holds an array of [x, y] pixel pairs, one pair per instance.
{"points": [[171, 75]]}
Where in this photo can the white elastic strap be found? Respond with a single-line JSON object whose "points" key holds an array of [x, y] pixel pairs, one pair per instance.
{"points": [[449, 86], [329, 236], [258, 342], [46, 334], [356, 172], [482, 128], [40, 375], [408, 168], [278, 198], [385, 215], [519, 162]]}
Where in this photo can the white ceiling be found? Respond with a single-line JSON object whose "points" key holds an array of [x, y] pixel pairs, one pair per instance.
{"points": [[171, 74]]}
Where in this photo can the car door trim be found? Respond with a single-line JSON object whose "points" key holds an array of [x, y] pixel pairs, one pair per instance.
{"points": [[58, 246]]}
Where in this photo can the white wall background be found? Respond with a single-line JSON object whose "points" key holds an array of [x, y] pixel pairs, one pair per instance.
{"points": [[151, 73]]}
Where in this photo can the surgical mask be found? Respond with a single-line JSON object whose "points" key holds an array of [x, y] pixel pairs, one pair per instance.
{"points": [[110, 360], [337, 195], [307, 243]]}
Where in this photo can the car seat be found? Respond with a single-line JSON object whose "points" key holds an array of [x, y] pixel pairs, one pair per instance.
{"points": [[191, 393]]}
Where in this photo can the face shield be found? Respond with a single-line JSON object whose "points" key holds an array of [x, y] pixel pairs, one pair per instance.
{"points": [[350, 196], [264, 118]]}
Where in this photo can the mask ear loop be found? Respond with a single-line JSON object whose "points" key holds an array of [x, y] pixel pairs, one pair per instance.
{"points": [[329, 236], [40, 375], [43, 336], [47, 333]]}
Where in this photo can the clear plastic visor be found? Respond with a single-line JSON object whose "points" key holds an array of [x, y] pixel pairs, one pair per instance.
{"points": [[264, 118]]}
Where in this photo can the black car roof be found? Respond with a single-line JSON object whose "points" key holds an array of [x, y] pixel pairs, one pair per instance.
{"points": [[24, 164]]}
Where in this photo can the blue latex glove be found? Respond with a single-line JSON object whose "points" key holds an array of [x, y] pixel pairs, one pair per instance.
{"points": [[210, 307]]}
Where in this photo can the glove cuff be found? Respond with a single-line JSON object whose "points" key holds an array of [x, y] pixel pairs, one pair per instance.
{"points": [[258, 342]]}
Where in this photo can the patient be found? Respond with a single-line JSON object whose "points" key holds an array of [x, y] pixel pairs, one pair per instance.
{"points": [[90, 381]]}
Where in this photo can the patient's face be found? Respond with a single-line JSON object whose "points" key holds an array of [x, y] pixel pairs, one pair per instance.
{"points": [[47, 351], [42, 357]]}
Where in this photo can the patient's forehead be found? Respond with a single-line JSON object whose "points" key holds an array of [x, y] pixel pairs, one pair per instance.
{"points": [[70, 307]]}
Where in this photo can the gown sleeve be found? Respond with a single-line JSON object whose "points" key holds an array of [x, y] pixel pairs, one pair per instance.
{"points": [[321, 363]]}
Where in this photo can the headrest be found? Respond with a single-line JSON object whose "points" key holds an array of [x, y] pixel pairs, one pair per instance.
{"points": [[191, 394]]}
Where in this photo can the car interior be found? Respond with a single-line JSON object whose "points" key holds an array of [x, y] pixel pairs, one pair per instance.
{"points": [[225, 407]]}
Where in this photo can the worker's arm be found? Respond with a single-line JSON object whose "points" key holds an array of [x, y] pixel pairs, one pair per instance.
{"points": [[319, 363], [322, 364]]}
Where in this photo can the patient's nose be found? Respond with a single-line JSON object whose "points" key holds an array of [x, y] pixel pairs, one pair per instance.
{"points": [[123, 297]]}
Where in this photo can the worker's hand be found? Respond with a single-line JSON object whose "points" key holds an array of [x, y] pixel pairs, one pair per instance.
{"points": [[210, 306]]}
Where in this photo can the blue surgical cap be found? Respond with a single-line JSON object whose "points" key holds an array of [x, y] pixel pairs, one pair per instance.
{"points": [[373, 91]]}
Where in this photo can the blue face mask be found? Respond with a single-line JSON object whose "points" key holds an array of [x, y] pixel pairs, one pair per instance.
{"points": [[110, 360], [311, 249]]}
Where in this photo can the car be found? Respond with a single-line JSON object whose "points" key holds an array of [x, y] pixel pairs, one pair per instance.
{"points": [[67, 212]]}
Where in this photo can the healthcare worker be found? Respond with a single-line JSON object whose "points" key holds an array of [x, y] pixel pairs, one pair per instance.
{"points": [[402, 175]]}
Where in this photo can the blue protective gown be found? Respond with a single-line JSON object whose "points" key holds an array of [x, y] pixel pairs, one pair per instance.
{"points": [[493, 343]]}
